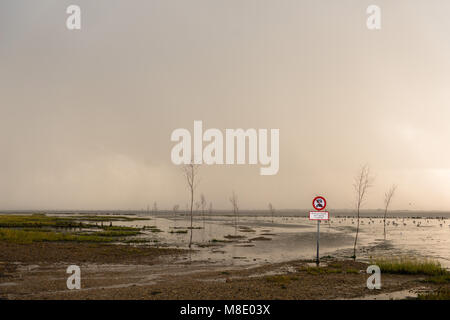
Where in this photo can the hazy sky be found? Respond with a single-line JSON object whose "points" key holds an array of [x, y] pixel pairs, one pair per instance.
{"points": [[86, 115]]}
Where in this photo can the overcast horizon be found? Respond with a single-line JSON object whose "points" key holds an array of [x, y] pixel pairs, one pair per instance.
{"points": [[87, 115]]}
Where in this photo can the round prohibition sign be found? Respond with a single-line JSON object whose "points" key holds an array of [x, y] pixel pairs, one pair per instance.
{"points": [[319, 203]]}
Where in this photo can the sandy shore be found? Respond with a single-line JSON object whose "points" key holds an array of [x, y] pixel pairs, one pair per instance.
{"points": [[38, 271]]}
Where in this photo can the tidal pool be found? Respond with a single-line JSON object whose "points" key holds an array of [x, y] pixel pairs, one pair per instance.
{"points": [[259, 239]]}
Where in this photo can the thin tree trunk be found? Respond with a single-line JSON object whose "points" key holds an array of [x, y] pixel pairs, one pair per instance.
{"points": [[356, 237], [192, 204], [235, 223]]}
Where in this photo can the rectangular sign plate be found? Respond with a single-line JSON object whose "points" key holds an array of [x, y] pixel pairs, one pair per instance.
{"points": [[319, 215]]}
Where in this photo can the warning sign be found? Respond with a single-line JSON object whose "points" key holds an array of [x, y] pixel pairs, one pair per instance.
{"points": [[319, 215]]}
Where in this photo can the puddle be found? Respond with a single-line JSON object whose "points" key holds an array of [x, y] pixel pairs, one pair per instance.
{"points": [[396, 295], [8, 284]]}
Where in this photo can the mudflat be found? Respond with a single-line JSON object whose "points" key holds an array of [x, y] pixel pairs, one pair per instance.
{"points": [[38, 271], [54, 252]]}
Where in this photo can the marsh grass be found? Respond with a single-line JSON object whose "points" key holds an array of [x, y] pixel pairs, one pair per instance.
{"points": [[39, 227], [115, 233], [138, 240], [106, 218], [351, 270], [440, 279], [230, 236], [335, 265], [179, 231], [39, 221], [406, 265], [330, 269], [220, 241], [23, 237], [120, 228]]}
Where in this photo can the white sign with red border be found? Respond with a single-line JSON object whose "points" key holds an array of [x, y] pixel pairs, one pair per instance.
{"points": [[319, 215]]}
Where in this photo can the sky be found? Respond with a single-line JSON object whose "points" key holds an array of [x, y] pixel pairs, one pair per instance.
{"points": [[87, 115]]}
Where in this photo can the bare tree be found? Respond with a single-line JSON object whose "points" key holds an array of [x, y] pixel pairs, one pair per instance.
{"points": [[271, 210], [210, 209], [387, 201], [197, 209], [203, 205], [363, 181], [234, 203], [190, 171], [154, 211], [175, 210], [197, 206]]}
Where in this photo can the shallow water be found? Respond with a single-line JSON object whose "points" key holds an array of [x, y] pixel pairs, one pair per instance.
{"points": [[288, 238]]}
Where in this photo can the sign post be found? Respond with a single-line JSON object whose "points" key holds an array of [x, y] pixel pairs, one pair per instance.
{"points": [[318, 243], [319, 203]]}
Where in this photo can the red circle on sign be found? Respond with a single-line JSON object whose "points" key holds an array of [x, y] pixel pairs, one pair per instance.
{"points": [[317, 206]]}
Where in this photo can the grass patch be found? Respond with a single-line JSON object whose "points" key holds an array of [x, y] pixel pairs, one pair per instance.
{"points": [[445, 278], [22, 236], [138, 240], [234, 237], [333, 268], [335, 265], [410, 266], [220, 241], [179, 231], [119, 228], [106, 218], [246, 229], [39, 228], [116, 233], [39, 221], [351, 270], [260, 239]]}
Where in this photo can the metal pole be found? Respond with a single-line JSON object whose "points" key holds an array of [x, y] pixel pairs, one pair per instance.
{"points": [[318, 239]]}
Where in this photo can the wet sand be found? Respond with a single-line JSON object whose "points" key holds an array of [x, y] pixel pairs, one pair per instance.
{"points": [[51, 252]]}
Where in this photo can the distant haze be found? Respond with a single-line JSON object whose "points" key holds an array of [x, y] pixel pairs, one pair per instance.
{"points": [[86, 116]]}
